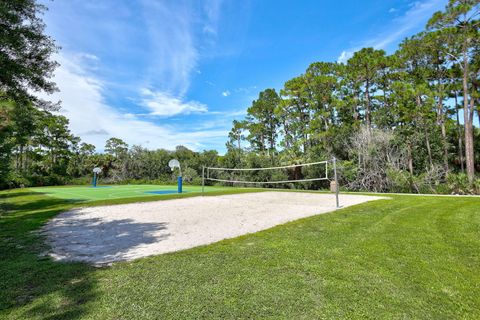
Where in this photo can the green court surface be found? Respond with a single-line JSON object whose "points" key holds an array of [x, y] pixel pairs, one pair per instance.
{"points": [[89, 193]]}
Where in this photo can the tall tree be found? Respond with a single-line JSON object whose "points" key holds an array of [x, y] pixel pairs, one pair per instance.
{"points": [[262, 122], [363, 68], [236, 135], [24, 117], [458, 25], [423, 64], [116, 147], [6, 141], [323, 84], [25, 52], [296, 114]]}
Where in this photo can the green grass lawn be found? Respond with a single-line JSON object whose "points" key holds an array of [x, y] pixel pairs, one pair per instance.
{"points": [[88, 193], [404, 258]]}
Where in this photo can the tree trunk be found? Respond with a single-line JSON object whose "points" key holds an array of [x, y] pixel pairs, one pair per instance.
{"points": [[468, 119], [287, 140], [410, 158], [441, 119], [367, 106], [429, 149], [459, 132], [355, 106]]}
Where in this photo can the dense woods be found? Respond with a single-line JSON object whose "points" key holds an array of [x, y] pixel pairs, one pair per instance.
{"points": [[403, 122]]}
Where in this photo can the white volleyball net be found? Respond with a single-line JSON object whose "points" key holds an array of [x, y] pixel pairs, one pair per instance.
{"points": [[309, 176]]}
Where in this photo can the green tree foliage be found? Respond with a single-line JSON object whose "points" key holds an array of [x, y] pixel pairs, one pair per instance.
{"points": [[116, 147], [393, 121], [457, 27], [262, 122], [6, 141], [25, 63], [38, 146], [414, 97], [25, 67], [363, 70]]}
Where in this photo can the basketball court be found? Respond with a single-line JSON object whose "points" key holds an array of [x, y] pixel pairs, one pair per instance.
{"points": [[89, 193]]}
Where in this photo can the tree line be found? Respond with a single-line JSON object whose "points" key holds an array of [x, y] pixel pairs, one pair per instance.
{"points": [[400, 122], [397, 121]]}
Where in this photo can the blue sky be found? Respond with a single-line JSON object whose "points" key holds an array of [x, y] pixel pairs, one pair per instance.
{"points": [[163, 73]]}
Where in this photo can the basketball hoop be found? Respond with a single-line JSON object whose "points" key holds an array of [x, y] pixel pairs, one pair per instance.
{"points": [[174, 163]]}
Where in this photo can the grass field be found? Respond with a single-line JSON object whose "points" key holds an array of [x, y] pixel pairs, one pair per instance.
{"points": [[89, 193], [404, 258]]}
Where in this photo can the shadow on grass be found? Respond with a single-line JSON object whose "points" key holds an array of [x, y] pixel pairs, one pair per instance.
{"points": [[32, 285], [13, 194]]}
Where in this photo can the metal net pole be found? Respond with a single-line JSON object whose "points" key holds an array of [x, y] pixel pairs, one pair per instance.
{"points": [[336, 181], [203, 180]]}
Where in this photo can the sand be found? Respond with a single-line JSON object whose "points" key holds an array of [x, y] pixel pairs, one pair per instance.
{"points": [[106, 234]]}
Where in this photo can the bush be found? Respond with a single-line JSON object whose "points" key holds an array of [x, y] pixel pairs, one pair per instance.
{"points": [[190, 175], [16, 180], [459, 184], [400, 181]]}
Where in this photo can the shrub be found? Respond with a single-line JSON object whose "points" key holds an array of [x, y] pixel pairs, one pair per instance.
{"points": [[399, 180], [459, 184]]}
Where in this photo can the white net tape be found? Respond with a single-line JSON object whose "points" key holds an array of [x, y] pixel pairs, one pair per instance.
{"points": [[306, 173], [227, 174]]}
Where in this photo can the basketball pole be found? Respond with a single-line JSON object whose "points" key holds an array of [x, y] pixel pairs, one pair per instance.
{"points": [[203, 180], [336, 181]]}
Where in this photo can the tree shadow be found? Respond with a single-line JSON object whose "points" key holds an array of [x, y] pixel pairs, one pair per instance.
{"points": [[12, 194], [33, 285], [97, 241]]}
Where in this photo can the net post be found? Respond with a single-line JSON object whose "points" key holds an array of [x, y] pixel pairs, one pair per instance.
{"points": [[334, 160], [203, 180]]}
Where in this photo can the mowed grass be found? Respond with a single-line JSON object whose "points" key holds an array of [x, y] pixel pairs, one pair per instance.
{"points": [[404, 258], [89, 193]]}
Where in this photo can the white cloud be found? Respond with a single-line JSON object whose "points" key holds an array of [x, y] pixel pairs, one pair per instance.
{"points": [[414, 17], [171, 32], [95, 121], [164, 104], [212, 11], [226, 93], [392, 10], [344, 56], [172, 29], [88, 56], [235, 113]]}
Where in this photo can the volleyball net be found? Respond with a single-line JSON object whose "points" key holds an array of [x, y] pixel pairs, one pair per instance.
{"points": [[307, 174]]}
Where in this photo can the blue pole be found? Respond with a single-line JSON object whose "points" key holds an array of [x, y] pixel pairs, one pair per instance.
{"points": [[94, 179], [179, 180]]}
